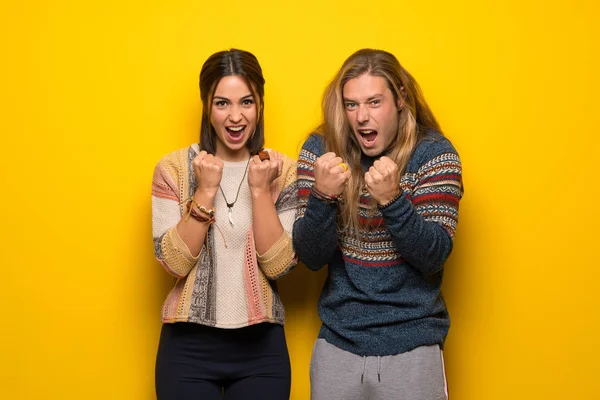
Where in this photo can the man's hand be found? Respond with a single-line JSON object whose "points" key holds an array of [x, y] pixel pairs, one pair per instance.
{"points": [[330, 176], [383, 180]]}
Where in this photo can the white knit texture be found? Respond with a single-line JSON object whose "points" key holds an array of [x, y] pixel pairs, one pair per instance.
{"points": [[232, 307]]}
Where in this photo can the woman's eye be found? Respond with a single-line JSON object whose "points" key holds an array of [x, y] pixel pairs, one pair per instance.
{"points": [[247, 102], [221, 103]]}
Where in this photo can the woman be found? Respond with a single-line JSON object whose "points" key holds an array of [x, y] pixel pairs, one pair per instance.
{"points": [[381, 186], [222, 213]]}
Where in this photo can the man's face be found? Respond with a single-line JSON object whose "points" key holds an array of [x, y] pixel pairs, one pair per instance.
{"points": [[372, 113]]}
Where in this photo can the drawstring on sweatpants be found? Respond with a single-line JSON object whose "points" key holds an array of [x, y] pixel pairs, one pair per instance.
{"points": [[363, 371], [362, 375]]}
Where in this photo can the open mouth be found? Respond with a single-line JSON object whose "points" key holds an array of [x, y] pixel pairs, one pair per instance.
{"points": [[236, 133], [367, 137]]}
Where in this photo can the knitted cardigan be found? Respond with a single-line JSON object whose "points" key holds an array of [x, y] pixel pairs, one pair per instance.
{"points": [[193, 298]]}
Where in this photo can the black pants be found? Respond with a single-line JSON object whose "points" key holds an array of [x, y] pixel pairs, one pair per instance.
{"points": [[204, 363]]}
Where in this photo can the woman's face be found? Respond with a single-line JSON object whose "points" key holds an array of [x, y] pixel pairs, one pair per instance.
{"points": [[234, 115]]}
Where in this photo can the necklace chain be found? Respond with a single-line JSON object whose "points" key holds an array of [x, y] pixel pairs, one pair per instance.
{"points": [[230, 205]]}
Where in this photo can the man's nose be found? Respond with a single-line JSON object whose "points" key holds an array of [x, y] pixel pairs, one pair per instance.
{"points": [[362, 114]]}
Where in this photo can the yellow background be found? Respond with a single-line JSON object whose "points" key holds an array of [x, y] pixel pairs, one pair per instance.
{"points": [[93, 93]]}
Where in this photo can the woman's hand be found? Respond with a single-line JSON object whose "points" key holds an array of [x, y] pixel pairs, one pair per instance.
{"points": [[261, 174], [209, 171]]}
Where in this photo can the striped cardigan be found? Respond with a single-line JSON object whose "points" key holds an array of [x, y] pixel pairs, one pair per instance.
{"points": [[193, 298]]}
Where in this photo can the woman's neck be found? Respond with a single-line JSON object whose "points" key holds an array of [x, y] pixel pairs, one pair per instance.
{"points": [[226, 154]]}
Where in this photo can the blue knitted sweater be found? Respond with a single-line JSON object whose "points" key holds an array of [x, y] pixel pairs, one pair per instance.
{"points": [[382, 294]]}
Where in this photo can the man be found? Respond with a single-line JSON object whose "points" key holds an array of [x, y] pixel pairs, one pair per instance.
{"points": [[379, 188]]}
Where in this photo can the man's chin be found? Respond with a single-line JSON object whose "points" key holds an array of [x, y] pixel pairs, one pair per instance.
{"points": [[371, 151]]}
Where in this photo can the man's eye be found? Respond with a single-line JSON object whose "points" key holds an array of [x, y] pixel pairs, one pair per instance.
{"points": [[375, 102], [350, 106]]}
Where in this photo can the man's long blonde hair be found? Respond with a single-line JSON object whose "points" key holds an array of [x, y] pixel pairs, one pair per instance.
{"points": [[416, 119]]}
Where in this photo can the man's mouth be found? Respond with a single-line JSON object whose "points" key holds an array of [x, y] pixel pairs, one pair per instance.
{"points": [[367, 136]]}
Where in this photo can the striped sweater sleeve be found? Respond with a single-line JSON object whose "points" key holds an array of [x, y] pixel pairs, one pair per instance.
{"points": [[422, 223], [281, 257], [315, 232], [170, 250]]}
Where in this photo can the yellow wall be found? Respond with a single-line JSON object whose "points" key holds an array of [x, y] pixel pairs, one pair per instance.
{"points": [[93, 93]]}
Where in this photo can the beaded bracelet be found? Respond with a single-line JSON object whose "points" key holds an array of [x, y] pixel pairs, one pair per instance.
{"points": [[206, 211], [325, 197], [389, 203], [200, 218], [210, 213], [210, 220]]}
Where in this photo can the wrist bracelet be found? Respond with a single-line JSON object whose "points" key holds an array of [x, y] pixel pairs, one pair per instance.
{"points": [[200, 218], [389, 203], [210, 220], [205, 210], [325, 197], [210, 213]]}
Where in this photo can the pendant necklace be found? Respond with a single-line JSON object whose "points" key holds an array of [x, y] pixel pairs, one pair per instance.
{"points": [[230, 205]]}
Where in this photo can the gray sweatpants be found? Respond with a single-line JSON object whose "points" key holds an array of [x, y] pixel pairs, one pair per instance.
{"points": [[336, 374]]}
